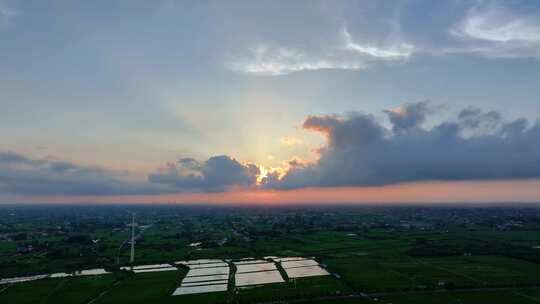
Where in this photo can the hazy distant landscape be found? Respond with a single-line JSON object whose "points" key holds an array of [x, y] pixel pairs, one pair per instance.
{"points": [[385, 254]]}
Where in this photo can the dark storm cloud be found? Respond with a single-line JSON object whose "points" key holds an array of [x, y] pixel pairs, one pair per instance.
{"points": [[23, 175], [215, 174], [360, 151]]}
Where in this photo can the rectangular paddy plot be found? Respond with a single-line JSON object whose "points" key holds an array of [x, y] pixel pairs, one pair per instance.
{"points": [[200, 283], [256, 267], [300, 267], [308, 271], [199, 279], [185, 290], [249, 261], [87, 272], [91, 272], [208, 271], [22, 279], [204, 276], [256, 272], [277, 259], [213, 265], [60, 275], [206, 262], [155, 269], [299, 263], [150, 268], [257, 278]]}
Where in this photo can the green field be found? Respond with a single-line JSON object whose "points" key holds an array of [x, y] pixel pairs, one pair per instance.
{"points": [[395, 255], [383, 274], [61, 291], [142, 288], [518, 297], [304, 288]]}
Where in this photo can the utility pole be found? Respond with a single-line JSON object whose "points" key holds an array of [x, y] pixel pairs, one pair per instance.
{"points": [[132, 256]]}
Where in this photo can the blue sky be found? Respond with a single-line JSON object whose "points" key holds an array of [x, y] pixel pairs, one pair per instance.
{"points": [[130, 86]]}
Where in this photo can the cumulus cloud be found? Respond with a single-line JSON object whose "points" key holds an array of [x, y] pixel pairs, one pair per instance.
{"points": [[20, 174], [408, 116], [342, 131], [216, 174], [361, 151]]}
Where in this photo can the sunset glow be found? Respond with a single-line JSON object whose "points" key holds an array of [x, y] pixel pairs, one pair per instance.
{"points": [[263, 173], [352, 102]]}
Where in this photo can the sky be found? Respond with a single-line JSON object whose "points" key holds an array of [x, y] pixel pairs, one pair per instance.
{"points": [[269, 101]]}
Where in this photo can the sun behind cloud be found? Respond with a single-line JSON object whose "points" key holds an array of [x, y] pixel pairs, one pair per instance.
{"points": [[290, 141]]}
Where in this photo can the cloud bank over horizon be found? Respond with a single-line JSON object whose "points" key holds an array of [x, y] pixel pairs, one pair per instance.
{"points": [[361, 150], [23, 175], [216, 174]]}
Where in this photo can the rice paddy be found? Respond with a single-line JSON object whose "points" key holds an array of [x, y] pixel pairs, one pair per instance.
{"points": [[265, 266], [87, 272], [155, 269], [204, 276], [297, 267], [309, 271], [258, 278], [149, 268], [214, 277], [208, 271], [199, 283], [392, 264], [299, 263], [185, 290]]}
